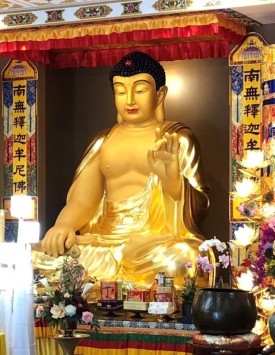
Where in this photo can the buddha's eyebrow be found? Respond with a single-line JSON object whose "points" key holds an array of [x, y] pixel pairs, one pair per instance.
{"points": [[142, 80], [135, 82]]}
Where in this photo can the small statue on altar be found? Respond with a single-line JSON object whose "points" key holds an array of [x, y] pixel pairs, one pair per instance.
{"points": [[139, 196]]}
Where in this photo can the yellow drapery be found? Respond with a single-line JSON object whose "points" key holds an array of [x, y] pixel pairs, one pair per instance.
{"points": [[73, 31], [91, 44]]}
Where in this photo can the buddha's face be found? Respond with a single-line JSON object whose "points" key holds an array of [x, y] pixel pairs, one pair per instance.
{"points": [[136, 97]]}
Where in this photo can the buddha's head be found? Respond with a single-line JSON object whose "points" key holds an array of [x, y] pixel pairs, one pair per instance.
{"points": [[138, 82]]}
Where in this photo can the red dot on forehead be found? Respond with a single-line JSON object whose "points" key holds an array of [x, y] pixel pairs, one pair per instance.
{"points": [[128, 63]]}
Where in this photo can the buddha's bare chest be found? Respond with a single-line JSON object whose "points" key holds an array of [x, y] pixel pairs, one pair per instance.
{"points": [[122, 153]]}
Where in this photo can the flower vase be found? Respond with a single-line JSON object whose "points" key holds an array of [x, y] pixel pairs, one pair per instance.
{"points": [[186, 313], [68, 326]]}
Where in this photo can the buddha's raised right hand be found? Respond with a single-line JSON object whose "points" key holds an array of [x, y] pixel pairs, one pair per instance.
{"points": [[163, 161], [57, 240]]}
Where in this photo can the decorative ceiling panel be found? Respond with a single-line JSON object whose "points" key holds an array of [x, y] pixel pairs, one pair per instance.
{"points": [[22, 13], [6, 5]]}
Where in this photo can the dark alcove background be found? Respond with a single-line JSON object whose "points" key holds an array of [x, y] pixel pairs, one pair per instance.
{"points": [[80, 103]]}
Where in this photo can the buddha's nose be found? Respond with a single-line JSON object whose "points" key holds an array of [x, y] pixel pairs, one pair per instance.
{"points": [[130, 97]]}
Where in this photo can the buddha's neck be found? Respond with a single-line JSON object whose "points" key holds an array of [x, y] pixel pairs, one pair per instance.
{"points": [[142, 126]]}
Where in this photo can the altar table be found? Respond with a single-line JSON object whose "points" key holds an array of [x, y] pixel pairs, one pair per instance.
{"points": [[121, 341]]}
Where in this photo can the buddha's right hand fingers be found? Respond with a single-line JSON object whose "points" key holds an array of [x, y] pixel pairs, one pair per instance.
{"points": [[159, 145], [70, 241], [64, 239], [52, 244], [54, 241], [44, 247]]}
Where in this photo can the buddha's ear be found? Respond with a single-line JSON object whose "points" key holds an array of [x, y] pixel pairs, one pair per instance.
{"points": [[119, 118], [160, 112]]}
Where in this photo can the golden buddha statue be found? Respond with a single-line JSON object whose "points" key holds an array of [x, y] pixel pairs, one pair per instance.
{"points": [[140, 194]]}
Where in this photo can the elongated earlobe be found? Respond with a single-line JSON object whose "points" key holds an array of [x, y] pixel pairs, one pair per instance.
{"points": [[160, 111]]}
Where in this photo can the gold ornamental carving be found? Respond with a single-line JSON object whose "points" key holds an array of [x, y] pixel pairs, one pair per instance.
{"points": [[92, 12], [19, 19], [167, 5]]}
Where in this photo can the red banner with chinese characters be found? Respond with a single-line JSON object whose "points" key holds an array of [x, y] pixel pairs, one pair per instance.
{"points": [[19, 111]]}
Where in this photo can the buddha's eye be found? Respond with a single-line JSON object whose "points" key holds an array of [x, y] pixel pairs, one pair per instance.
{"points": [[140, 90], [120, 91]]}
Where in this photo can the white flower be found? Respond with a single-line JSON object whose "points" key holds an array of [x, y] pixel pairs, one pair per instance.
{"points": [[254, 160], [45, 283], [86, 288], [246, 187], [58, 311], [244, 235], [67, 295], [221, 247], [245, 281], [268, 210], [210, 243], [70, 310]]}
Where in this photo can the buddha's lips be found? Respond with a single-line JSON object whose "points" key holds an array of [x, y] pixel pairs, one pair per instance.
{"points": [[131, 111]]}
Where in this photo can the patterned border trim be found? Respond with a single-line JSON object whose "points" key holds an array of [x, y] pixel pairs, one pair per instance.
{"points": [[131, 8], [54, 15], [26, 5], [213, 3], [237, 16], [93, 11], [168, 5], [19, 19], [71, 12], [141, 326]]}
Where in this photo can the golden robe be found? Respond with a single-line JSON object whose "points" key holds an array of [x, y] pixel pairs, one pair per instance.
{"points": [[147, 233]]}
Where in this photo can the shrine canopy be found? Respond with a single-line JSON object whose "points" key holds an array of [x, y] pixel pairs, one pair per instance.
{"points": [[170, 37]]}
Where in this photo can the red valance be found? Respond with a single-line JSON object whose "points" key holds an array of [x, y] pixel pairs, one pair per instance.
{"points": [[202, 35]]}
